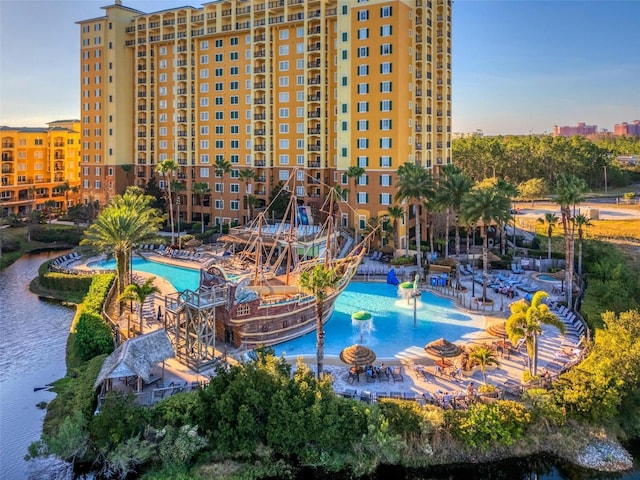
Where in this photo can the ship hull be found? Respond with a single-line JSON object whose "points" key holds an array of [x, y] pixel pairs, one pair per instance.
{"points": [[265, 323]]}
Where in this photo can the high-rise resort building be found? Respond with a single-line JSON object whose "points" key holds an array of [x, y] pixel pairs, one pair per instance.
{"points": [[625, 129], [40, 167], [581, 129], [277, 87]]}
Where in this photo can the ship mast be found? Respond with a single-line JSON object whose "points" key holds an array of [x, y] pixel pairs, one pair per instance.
{"points": [[329, 231], [258, 250], [292, 219]]}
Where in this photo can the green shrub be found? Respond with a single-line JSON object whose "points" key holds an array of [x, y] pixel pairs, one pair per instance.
{"points": [[404, 260], [66, 282], [56, 233], [118, 420], [93, 334], [482, 426]]}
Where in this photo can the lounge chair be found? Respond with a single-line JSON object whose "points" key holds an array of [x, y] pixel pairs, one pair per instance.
{"points": [[396, 374], [365, 396]]}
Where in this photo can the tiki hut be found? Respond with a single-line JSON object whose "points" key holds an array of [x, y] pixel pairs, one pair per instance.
{"points": [[136, 358]]}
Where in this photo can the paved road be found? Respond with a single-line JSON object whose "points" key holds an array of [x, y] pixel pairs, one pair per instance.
{"points": [[605, 211]]}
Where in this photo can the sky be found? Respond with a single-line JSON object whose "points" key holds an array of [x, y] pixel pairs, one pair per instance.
{"points": [[519, 66]]}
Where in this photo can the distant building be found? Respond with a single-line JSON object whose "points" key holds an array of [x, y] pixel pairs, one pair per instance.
{"points": [[625, 129], [39, 165], [580, 129], [628, 160], [457, 135]]}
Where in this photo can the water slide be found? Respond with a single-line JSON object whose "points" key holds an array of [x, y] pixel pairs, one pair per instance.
{"points": [[391, 277]]}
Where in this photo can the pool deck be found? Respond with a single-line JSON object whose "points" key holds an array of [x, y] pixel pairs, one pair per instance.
{"points": [[412, 362]]}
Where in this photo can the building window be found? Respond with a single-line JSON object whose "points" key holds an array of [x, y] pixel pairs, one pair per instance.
{"points": [[385, 12], [363, 161], [385, 87], [363, 15], [386, 67], [385, 49], [363, 125], [385, 142], [385, 180], [385, 30], [385, 124], [362, 143], [363, 70], [363, 88], [363, 52], [363, 33], [363, 197], [385, 199]]}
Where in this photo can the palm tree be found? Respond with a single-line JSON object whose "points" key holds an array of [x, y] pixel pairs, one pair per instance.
{"points": [[178, 186], [252, 201], [484, 357], [319, 282], [511, 191], [526, 322], [354, 172], [551, 221], [247, 175], [64, 189], [450, 191], [395, 212], [221, 167], [569, 192], [126, 221], [581, 221], [166, 168], [138, 294], [489, 206], [200, 189], [415, 185]]}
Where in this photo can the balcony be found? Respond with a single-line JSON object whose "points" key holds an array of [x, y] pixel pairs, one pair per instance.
{"points": [[259, 163]]}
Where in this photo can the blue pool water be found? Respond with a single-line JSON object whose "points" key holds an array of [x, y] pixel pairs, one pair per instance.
{"points": [[180, 278], [546, 278], [392, 331]]}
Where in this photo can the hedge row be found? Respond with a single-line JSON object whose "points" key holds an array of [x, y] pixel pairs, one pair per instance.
{"points": [[93, 335], [66, 282]]}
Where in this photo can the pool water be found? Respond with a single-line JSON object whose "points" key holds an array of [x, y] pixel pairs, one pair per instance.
{"points": [[546, 278], [392, 332], [180, 278]]}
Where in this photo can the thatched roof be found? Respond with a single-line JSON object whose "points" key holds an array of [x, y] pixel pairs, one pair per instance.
{"points": [[357, 355], [136, 357], [443, 348]]}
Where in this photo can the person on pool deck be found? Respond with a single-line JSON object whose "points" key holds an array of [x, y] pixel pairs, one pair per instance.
{"points": [[471, 389]]}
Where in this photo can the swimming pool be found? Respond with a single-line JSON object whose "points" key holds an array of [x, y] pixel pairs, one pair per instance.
{"points": [[547, 278], [180, 278], [392, 333]]}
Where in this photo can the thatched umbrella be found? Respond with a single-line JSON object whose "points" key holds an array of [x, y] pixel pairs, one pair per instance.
{"points": [[194, 242], [497, 329], [442, 348], [357, 355]]}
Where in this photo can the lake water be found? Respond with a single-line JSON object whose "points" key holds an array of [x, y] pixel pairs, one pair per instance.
{"points": [[32, 354]]}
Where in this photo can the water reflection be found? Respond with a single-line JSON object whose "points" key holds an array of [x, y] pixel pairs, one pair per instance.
{"points": [[32, 354]]}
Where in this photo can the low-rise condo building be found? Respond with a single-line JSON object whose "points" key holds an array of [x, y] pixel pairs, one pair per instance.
{"points": [[40, 167]]}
